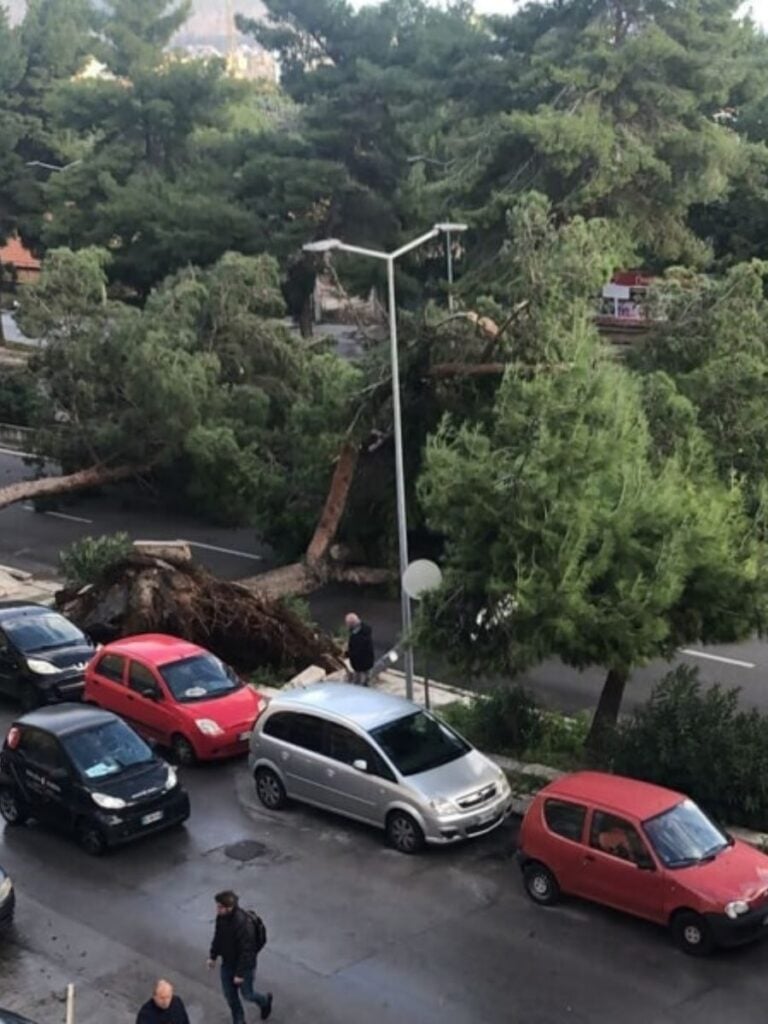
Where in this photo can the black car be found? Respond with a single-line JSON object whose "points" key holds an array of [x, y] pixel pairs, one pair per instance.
{"points": [[9, 1017], [7, 901], [83, 768], [42, 654]]}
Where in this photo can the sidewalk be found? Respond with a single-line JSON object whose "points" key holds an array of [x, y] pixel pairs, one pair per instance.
{"points": [[17, 585]]}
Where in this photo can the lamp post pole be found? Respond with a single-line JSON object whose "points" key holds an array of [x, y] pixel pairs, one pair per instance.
{"points": [[402, 514], [390, 258]]}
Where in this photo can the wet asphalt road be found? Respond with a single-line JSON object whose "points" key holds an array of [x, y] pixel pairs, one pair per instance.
{"points": [[358, 934]]}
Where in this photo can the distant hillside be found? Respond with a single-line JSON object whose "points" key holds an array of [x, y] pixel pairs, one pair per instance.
{"points": [[208, 23]]}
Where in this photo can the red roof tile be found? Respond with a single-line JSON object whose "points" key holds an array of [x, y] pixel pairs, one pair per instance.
{"points": [[15, 253]]}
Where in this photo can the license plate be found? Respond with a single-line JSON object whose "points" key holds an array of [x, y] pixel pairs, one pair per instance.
{"points": [[485, 818], [150, 819], [244, 737]]}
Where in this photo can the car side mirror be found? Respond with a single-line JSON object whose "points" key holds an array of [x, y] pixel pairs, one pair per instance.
{"points": [[360, 765]]}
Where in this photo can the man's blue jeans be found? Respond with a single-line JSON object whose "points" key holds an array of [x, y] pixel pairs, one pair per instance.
{"points": [[233, 992]]}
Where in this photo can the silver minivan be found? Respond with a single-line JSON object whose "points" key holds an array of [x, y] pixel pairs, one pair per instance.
{"points": [[379, 759]]}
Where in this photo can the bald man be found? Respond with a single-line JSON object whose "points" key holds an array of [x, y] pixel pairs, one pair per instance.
{"points": [[359, 649], [164, 1007]]}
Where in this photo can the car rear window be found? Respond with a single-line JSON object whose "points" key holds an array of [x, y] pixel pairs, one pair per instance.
{"points": [[565, 819], [111, 667], [299, 729]]}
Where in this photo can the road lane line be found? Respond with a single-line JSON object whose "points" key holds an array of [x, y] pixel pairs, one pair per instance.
{"points": [[716, 657], [59, 515], [225, 551], [71, 519]]}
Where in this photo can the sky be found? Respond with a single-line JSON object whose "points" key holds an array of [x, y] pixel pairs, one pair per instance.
{"points": [[759, 8]]}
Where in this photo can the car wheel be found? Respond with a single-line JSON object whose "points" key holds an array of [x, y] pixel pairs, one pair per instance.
{"points": [[182, 750], [12, 807], [270, 790], [404, 832], [30, 698], [91, 838], [692, 933], [540, 884]]}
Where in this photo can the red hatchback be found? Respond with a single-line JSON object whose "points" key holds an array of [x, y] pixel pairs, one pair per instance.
{"points": [[648, 851], [175, 693]]}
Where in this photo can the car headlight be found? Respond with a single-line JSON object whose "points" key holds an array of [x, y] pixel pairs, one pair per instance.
{"points": [[109, 803], [209, 727], [736, 908], [504, 789], [41, 667], [171, 778], [5, 889], [440, 806]]}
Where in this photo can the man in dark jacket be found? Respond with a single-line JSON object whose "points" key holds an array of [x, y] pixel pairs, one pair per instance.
{"points": [[359, 649], [234, 940], [164, 1007]]}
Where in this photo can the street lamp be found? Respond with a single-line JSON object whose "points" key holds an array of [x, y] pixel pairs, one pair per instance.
{"points": [[326, 245]]}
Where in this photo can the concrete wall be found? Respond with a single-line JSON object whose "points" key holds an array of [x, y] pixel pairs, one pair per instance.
{"points": [[18, 438]]}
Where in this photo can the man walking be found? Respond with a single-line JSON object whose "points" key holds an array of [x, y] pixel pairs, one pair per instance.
{"points": [[164, 1007], [234, 940], [359, 649]]}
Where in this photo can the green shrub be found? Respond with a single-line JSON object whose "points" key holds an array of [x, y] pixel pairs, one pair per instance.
{"points": [[504, 722], [19, 397], [696, 740], [562, 740], [85, 560]]}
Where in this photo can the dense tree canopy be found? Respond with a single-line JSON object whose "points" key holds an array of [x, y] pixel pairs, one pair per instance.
{"points": [[598, 510]]}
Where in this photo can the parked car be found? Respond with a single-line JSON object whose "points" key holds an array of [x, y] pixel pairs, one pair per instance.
{"points": [[9, 1017], [175, 693], [42, 654], [7, 901], [648, 851], [379, 759], [86, 770]]}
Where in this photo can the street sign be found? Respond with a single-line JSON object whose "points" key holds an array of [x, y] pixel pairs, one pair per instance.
{"points": [[420, 577]]}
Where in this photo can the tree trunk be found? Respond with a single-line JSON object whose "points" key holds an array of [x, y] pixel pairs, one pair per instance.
{"points": [[607, 713], [94, 476], [335, 504], [299, 579]]}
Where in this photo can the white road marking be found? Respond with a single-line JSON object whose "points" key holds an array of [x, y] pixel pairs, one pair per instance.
{"points": [[71, 519], [225, 551], [716, 657], [192, 543], [17, 454], [60, 515]]}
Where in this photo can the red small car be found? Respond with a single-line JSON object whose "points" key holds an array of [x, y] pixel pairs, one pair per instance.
{"points": [[648, 851], [175, 693]]}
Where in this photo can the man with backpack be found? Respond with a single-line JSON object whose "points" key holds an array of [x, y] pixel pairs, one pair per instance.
{"points": [[239, 937]]}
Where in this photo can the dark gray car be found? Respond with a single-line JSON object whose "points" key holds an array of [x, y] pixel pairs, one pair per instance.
{"points": [[379, 759], [42, 655]]}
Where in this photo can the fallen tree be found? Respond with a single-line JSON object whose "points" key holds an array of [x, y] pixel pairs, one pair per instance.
{"points": [[147, 594]]}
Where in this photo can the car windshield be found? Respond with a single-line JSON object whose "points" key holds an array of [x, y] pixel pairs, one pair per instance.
{"points": [[684, 835], [105, 750], [418, 742], [43, 632], [201, 677]]}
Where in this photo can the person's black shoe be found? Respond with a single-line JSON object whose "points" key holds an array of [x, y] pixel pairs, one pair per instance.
{"points": [[266, 1010]]}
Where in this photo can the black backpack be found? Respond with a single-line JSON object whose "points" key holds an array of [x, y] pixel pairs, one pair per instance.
{"points": [[259, 930]]}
